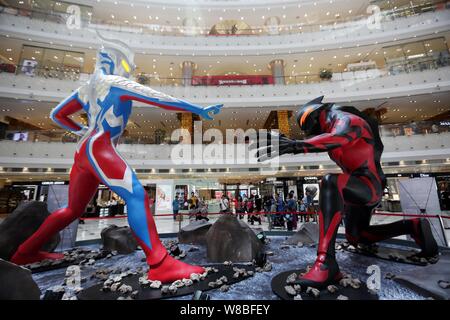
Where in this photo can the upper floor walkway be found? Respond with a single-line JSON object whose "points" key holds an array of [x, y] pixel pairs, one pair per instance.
{"points": [[144, 40], [382, 86]]}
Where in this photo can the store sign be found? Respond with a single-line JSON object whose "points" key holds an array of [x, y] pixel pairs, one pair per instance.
{"points": [[46, 183], [232, 80]]}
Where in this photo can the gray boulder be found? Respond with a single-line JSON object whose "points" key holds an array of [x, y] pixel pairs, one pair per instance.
{"points": [[17, 283], [308, 234], [21, 224], [118, 239], [229, 239], [194, 232]]}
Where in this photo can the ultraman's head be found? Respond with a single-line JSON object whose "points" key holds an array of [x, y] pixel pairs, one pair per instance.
{"points": [[308, 116], [115, 58]]}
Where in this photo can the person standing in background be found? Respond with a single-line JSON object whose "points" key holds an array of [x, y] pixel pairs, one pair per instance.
{"points": [[258, 203], [291, 216], [224, 204], [194, 201], [302, 209], [175, 206]]}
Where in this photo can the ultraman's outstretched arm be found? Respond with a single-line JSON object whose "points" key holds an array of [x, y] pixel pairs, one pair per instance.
{"points": [[60, 114], [130, 90], [344, 130]]}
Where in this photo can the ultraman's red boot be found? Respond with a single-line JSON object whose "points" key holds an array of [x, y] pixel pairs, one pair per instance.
{"points": [[29, 251], [419, 229], [170, 270], [163, 266], [21, 259], [325, 270]]}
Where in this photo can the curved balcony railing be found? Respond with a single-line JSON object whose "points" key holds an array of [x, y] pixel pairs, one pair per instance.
{"points": [[424, 25], [257, 96], [62, 72], [157, 29], [420, 128]]}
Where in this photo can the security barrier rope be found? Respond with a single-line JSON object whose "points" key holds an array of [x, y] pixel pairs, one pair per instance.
{"points": [[379, 213]]}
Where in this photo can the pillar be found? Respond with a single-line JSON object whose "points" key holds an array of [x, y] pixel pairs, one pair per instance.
{"points": [[187, 71], [2, 181], [283, 122], [277, 68], [188, 124]]}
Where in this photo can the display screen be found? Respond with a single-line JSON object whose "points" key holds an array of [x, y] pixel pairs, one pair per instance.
{"points": [[20, 136]]}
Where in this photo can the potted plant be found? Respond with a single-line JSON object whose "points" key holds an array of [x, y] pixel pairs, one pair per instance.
{"points": [[326, 74]]}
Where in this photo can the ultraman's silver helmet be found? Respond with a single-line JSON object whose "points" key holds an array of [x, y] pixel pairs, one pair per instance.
{"points": [[115, 57]]}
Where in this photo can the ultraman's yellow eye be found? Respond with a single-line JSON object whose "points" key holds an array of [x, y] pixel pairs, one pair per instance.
{"points": [[125, 66]]}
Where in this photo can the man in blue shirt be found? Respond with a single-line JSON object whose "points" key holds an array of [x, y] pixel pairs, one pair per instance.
{"points": [[175, 207]]}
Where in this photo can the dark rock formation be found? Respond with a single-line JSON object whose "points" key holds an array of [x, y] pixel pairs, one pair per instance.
{"points": [[229, 239], [20, 225], [430, 280], [307, 234], [194, 232], [118, 239], [17, 283]]}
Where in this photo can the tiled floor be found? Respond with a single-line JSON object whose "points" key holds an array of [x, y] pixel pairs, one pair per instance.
{"points": [[91, 229]]}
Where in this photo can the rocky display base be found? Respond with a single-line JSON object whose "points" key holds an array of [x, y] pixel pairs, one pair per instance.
{"points": [[21, 224], [230, 239], [17, 283], [387, 253], [194, 232], [433, 280], [220, 277], [281, 258], [307, 234], [118, 239], [76, 256], [349, 290]]}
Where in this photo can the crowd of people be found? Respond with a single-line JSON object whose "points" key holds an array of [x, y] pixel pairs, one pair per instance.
{"points": [[279, 212], [198, 208]]}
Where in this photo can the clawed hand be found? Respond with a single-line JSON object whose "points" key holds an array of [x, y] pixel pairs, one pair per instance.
{"points": [[209, 111], [271, 146]]}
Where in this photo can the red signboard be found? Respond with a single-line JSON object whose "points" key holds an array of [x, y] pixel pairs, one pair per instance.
{"points": [[231, 80]]}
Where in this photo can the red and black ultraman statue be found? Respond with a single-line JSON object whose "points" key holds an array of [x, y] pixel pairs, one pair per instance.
{"points": [[352, 141]]}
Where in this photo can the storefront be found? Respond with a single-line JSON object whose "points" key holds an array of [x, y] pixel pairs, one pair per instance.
{"points": [[443, 185]]}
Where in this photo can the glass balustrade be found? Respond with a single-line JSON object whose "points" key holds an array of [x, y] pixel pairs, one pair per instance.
{"points": [[59, 15], [414, 128]]}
